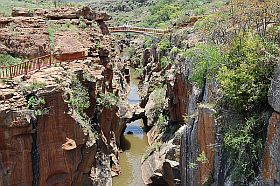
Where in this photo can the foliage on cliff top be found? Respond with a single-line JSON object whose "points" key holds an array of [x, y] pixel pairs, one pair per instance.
{"points": [[6, 6], [107, 100], [241, 52], [6, 60], [37, 105], [244, 143], [79, 98]]}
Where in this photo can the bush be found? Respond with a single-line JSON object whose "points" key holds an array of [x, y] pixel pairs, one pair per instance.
{"points": [[6, 60], [107, 100], [164, 44], [243, 143], [139, 72], [36, 104], [34, 86], [205, 60], [51, 32], [164, 62], [79, 98], [162, 123], [245, 75], [82, 23]]}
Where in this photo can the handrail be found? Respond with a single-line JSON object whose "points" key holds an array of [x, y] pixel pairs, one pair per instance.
{"points": [[137, 29], [37, 63]]}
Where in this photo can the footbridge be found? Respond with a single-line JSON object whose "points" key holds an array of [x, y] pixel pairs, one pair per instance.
{"points": [[138, 30]]}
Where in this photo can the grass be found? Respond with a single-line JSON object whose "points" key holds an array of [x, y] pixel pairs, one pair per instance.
{"points": [[6, 6], [6, 60], [31, 87]]}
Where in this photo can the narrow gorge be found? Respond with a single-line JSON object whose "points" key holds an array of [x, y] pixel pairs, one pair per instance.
{"points": [[139, 93]]}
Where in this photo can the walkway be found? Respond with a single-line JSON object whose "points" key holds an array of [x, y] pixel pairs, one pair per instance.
{"points": [[32, 65], [127, 28]]}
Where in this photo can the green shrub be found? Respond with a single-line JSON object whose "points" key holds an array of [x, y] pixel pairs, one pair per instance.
{"points": [[98, 45], [243, 143], [131, 51], [202, 158], [162, 12], [245, 76], [34, 86], [79, 98], [205, 60], [36, 104], [82, 23], [164, 62], [107, 100], [139, 72], [162, 123], [164, 44], [6, 60], [51, 32]]}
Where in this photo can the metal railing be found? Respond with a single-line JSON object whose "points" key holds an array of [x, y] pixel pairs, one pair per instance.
{"points": [[32, 65], [138, 29]]}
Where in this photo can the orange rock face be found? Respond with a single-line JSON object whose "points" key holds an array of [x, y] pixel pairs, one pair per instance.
{"points": [[178, 99], [15, 159], [31, 152], [206, 138], [270, 162], [56, 165]]}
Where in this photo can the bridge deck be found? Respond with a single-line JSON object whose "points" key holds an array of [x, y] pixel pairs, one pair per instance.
{"points": [[138, 30]]}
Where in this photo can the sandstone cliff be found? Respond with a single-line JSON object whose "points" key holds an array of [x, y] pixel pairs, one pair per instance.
{"points": [[55, 127]]}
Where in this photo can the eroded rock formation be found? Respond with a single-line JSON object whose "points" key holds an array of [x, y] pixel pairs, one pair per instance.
{"points": [[59, 147]]}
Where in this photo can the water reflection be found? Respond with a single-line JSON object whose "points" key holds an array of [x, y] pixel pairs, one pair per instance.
{"points": [[130, 160], [133, 145]]}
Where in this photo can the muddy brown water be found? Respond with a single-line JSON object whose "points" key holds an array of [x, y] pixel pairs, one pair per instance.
{"points": [[134, 147]]}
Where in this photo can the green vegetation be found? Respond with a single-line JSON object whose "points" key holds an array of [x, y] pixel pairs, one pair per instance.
{"points": [[162, 123], [159, 99], [107, 100], [51, 32], [98, 45], [205, 61], [164, 44], [82, 23], [245, 77], [243, 142], [162, 12], [201, 159], [79, 102], [7, 60], [67, 26], [6, 6], [139, 72], [37, 105], [31, 87], [79, 99], [165, 62], [155, 147], [241, 61]]}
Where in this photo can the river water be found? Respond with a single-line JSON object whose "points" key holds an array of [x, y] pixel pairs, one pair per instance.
{"points": [[133, 146]]}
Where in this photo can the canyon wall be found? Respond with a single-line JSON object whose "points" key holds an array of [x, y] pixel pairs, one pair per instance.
{"points": [[191, 130], [54, 143]]}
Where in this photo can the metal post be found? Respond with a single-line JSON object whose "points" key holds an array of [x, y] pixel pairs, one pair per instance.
{"points": [[25, 67], [11, 75], [38, 61], [50, 59]]}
